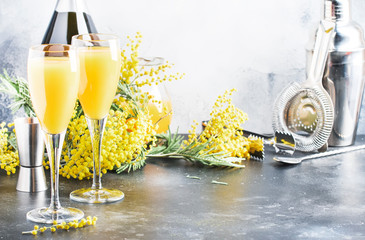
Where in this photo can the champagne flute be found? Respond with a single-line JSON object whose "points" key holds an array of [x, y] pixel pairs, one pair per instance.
{"points": [[100, 62], [53, 84]]}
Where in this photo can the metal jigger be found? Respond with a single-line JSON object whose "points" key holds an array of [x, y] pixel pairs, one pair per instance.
{"points": [[30, 149]]}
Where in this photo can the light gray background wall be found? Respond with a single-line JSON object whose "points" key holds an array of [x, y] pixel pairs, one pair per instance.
{"points": [[257, 47]]}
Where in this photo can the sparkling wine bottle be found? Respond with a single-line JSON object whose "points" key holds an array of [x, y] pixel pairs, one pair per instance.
{"points": [[70, 18]]}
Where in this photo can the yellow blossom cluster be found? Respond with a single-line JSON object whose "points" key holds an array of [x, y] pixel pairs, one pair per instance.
{"points": [[129, 127], [142, 74], [63, 225], [9, 158], [124, 141], [129, 68], [151, 76], [223, 131]]}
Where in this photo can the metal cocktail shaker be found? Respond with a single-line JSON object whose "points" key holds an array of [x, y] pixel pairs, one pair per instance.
{"points": [[344, 74]]}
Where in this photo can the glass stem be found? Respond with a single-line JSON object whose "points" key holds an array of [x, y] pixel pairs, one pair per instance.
{"points": [[96, 128], [54, 144]]}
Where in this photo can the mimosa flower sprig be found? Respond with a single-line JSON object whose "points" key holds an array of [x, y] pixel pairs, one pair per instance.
{"points": [[130, 135], [220, 144], [172, 146], [63, 225], [9, 159]]}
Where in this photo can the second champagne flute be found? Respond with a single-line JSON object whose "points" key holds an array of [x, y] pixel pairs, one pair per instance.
{"points": [[100, 62]]}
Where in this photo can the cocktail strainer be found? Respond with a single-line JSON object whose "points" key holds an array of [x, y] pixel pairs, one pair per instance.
{"points": [[306, 110]]}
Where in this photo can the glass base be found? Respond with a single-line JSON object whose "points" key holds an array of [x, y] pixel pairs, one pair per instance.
{"points": [[48, 216], [103, 195]]}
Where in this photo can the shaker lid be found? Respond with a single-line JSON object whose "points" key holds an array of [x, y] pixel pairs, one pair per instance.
{"points": [[349, 35]]}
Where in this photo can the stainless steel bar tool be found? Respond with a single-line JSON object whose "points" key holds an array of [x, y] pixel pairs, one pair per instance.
{"points": [[30, 149], [283, 143], [344, 73], [297, 160], [305, 110]]}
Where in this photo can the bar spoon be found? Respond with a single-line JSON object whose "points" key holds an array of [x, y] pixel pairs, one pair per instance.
{"points": [[297, 160]]}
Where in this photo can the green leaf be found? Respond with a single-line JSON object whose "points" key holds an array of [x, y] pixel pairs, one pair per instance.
{"points": [[12, 139], [18, 91], [133, 165]]}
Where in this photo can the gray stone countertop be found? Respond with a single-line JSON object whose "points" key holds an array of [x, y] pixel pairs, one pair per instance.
{"points": [[318, 199]]}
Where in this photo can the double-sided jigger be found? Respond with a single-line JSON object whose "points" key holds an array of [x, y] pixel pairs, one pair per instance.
{"points": [[30, 149]]}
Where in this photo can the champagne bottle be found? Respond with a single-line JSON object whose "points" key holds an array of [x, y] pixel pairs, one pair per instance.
{"points": [[70, 18]]}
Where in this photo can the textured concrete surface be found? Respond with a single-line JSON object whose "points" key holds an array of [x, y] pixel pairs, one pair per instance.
{"points": [[319, 199], [257, 47]]}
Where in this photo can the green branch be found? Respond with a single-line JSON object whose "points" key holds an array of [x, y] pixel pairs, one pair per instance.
{"points": [[171, 146], [17, 89]]}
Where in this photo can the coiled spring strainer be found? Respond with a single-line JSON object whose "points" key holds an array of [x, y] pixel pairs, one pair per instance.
{"points": [[305, 110]]}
